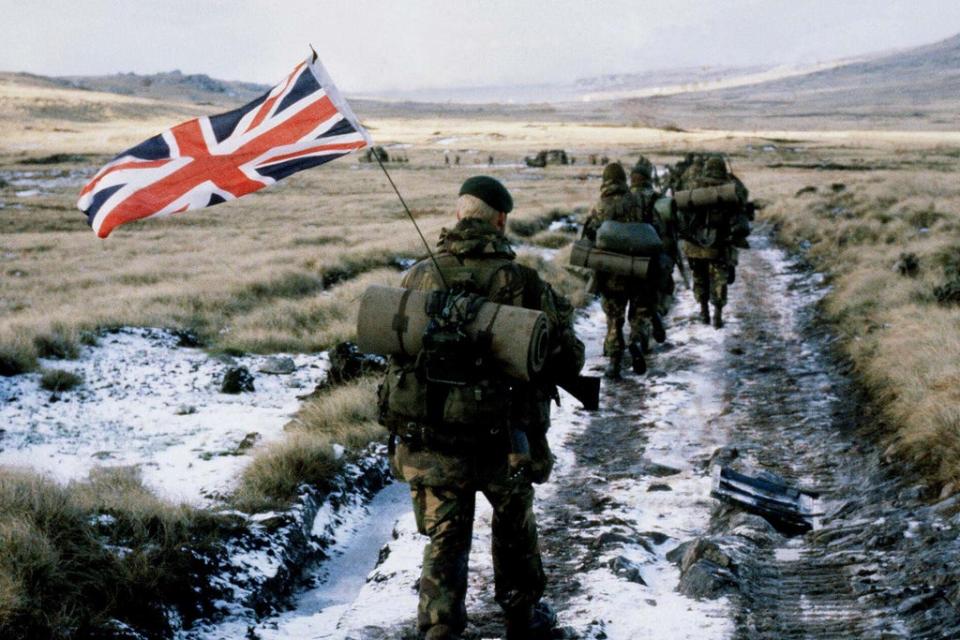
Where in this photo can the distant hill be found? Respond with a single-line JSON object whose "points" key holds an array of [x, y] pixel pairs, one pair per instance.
{"points": [[916, 88], [173, 86]]}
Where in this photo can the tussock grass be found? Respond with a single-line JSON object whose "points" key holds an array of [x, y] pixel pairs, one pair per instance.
{"points": [[57, 380], [552, 239], [344, 416], [905, 346], [17, 353], [73, 558]]}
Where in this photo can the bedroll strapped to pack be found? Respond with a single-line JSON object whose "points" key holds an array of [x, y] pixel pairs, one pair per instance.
{"points": [[392, 321], [585, 254]]}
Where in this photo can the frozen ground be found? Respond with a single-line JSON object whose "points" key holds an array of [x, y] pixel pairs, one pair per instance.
{"points": [[605, 526], [149, 403]]}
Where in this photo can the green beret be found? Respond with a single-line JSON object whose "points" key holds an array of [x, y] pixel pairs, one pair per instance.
{"points": [[490, 190]]}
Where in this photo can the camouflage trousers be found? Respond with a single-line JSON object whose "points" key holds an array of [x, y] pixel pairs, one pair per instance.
{"points": [[445, 514], [622, 308], [710, 280]]}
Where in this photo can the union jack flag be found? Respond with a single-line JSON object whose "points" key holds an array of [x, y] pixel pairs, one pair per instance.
{"points": [[302, 122]]}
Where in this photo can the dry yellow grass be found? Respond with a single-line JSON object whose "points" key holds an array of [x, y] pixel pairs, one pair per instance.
{"points": [[344, 416], [905, 346]]}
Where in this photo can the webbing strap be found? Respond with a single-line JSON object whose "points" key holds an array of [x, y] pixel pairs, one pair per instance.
{"points": [[401, 321]]}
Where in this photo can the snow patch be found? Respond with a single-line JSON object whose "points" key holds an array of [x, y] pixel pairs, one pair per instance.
{"points": [[130, 411]]}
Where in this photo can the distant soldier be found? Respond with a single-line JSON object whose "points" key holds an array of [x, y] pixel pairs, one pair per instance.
{"points": [[446, 157], [643, 187], [712, 235], [449, 442], [623, 299], [456, 159]]}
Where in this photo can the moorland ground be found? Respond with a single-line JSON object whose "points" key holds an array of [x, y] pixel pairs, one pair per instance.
{"points": [[282, 270]]}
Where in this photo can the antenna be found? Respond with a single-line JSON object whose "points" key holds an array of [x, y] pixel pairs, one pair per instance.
{"points": [[376, 154]]}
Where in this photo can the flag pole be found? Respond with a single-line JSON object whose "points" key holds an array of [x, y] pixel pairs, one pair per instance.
{"points": [[436, 264]]}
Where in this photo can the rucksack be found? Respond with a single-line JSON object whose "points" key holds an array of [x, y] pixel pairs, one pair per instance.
{"points": [[449, 395]]}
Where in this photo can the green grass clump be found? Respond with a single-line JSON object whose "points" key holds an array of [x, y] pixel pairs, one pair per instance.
{"points": [[17, 355], [75, 558], [60, 343], [344, 415], [58, 380]]}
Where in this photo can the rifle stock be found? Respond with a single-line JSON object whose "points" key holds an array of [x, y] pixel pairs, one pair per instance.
{"points": [[586, 389]]}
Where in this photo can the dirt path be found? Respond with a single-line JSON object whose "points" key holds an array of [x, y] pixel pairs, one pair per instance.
{"points": [[632, 483]]}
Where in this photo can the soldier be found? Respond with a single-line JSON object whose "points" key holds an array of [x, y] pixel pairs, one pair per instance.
{"points": [[713, 267], [642, 186], [621, 296], [447, 457]]}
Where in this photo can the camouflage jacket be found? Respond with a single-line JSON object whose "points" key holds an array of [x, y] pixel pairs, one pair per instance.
{"points": [[476, 251]]}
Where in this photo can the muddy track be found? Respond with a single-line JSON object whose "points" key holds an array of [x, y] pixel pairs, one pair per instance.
{"points": [[631, 490], [797, 415]]}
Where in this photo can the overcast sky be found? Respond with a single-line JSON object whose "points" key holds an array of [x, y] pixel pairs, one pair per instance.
{"points": [[407, 44]]}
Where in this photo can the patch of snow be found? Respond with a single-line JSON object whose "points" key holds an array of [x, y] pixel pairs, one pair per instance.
{"points": [[128, 413]]}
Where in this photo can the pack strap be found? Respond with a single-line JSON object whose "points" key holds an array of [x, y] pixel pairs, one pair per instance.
{"points": [[401, 322]]}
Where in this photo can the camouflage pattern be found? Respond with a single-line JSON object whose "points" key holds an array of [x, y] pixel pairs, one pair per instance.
{"points": [[444, 479], [623, 299], [709, 280], [638, 311], [446, 516], [641, 185]]}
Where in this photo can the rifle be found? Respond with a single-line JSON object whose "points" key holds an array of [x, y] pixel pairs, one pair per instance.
{"points": [[586, 389]]}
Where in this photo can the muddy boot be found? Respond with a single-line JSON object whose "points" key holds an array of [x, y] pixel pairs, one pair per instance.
{"points": [[718, 317], [531, 623], [705, 312], [659, 331], [639, 362], [441, 632], [612, 371]]}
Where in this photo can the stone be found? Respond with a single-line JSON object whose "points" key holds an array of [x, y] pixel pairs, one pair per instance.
{"points": [[237, 380], [659, 486], [626, 569], [247, 443], [704, 579], [660, 470], [278, 365]]}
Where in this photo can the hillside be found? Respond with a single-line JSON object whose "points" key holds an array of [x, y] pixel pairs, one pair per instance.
{"points": [[174, 86], [913, 89]]}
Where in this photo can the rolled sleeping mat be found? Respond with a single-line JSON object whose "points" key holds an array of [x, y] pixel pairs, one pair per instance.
{"points": [[707, 196], [629, 238], [584, 254], [392, 320]]}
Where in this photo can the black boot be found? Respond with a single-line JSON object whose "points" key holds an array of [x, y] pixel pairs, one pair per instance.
{"points": [[531, 623], [718, 317], [612, 371], [705, 312], [659, 331], [639, 363]]}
